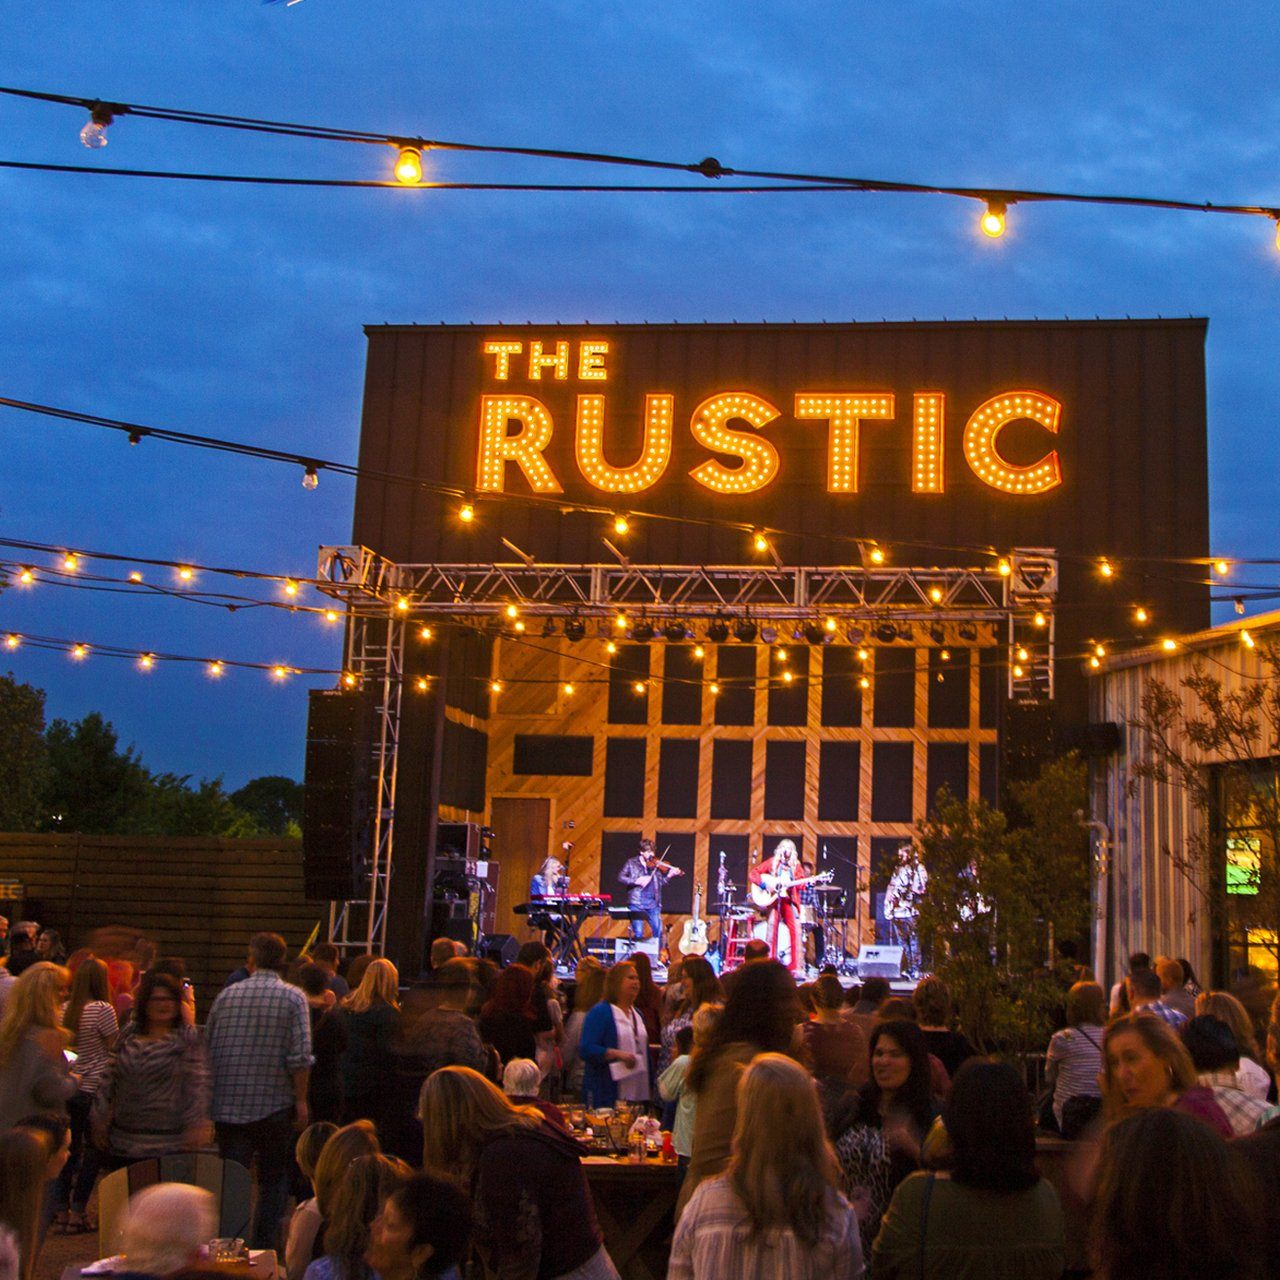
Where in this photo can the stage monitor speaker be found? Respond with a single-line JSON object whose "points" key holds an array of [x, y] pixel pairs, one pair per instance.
{"points": [[459, 840], [502, 949], [338, 799], [879, 962]]}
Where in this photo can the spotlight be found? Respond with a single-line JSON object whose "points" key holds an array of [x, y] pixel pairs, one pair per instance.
{"points": [[642, 632], [816, 633], [856, 635], [548, 628], [768, 634], [967, 631], [936, 633], [745, 630], [718, 631], [675, 632], [886, 632], [575, 629]]}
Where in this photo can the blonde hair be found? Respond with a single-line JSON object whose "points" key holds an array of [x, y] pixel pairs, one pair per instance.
{"points": [[381, 983], [33, 1005], [782, 1167], [337, 1155], [365, 1185], [1161, 1041], [165, 1225], [460, 1110], [1222, 1004], [590, 989], [704, 1023]]}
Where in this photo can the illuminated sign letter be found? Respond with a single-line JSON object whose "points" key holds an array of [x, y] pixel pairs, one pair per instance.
{"points": [[559, 362], [844, 412], [982, 431], [654, 456], [497, 447], [927, 475], [591, 361], [504, 351], [759, 457]]}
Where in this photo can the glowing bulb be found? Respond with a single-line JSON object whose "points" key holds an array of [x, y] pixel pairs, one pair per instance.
{"points": [[519, 627], [610, 647], [1239, 605], [426, 633], [1022, 654], [310, 479], [1221, 568], [402, 605], [420, 684], [699, 652], [12, 641], [568, 690], [71, 562], [215, 669], [279, 673], [94, 134], [760, 542], [715, 688], [27, 577], [1106, 569], [1168, 645], [781, 655], [620, 622], [1004, 568], [639, 686], [146, 661], [1141, 615], [1248, 639], [1278, 233], [495, 686], [863, 654], [79, 652], [1094, 662], [621, 524], [993, 221], [409, 166], [876, 556], [135, 576], [1017, 672], [830, 624], [787, 677], [1040, 620], [864, 683], [466, 513], [290, 587], [350, 680], [935, 594], [186, 573], [1099, 651], [331, 615], [945, 655], [512, 611]]}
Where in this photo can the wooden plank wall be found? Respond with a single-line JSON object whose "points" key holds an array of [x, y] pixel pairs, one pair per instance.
{"points": [[198, 898], [533, 701]]}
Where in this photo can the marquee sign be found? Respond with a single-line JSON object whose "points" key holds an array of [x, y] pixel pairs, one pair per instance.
{"points": [[516, 428]]}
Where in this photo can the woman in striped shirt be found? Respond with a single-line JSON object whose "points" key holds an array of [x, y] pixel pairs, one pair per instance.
{"points": [[1074, 1060], [91, 1020]]}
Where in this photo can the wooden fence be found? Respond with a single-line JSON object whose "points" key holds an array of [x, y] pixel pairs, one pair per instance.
{"points": [[200, 899]]}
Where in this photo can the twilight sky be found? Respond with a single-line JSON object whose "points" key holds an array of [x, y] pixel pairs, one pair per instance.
{"points": [[237, 311]]}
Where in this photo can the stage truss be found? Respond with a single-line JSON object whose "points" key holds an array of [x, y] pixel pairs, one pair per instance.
{"points": [[384, 599]]}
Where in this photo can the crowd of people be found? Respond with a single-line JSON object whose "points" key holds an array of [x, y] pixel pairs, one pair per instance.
{"points": [[398, 1132]]}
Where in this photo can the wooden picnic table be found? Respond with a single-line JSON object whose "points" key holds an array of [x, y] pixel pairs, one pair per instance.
{"points": [[636, 1206]]}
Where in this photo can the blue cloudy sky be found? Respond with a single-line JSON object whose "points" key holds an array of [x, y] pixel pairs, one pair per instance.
{"points": [[238, 311]]}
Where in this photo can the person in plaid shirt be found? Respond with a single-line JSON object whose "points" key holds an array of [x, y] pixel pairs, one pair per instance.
{"points": [[1216, 1054], [1144, 996], [259, 1034]]}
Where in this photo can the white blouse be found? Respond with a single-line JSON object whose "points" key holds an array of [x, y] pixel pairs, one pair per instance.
{"points": [[632, 1038]]}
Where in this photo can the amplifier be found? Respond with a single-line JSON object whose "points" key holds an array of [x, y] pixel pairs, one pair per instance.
{"points": [[879, 962]]}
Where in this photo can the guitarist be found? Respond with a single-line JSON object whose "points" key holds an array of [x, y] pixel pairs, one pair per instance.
{"points": [[784, 866]]}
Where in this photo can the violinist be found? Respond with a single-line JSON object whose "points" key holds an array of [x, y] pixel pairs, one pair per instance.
{"points": [[643, 876]]}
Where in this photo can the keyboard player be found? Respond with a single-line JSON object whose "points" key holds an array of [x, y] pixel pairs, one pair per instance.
{"points": [[550, 881]]}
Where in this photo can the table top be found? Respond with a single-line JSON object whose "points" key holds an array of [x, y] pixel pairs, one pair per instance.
{"points": [[621, 1167], [262, 1265]]}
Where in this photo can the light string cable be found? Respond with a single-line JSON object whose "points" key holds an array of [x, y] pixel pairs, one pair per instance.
{"points": [[997, 200]]}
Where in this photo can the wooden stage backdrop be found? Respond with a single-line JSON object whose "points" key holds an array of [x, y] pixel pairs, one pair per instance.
{"points": [[200, 899]]}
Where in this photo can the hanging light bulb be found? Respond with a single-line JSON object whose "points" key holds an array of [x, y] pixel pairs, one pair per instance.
{"points": [[864, 682], [331, 615], [759, 541], [425, 633], [495, 686], [79, 652], [568, 691], [28, 576], [1040, 620], [1017, 672], [420, 684], [639, 686], [12, 641], [699, 652], [279, 673], [1023, 655], [715, 688], [311, 478], [876, 555], [621, 524], [935, 594], [146, 661], [215, 669], [466, 513], [1221, 568], [863, 654], [186, 573], [94, 134], [1095, 662], [610, 647], [409, 166], [1247, 640], [290, 587], [829, 625], [1003, 567], [71, 562], [402, 604], [993, 221], [350, 679], [1099, 651], [135, 576], [1239, 602], [1168, 645], [1140, 615], [1106, 568], [787, 677]]}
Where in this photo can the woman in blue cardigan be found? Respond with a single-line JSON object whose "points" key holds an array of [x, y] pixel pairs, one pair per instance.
{"points": [[614, 1047]]}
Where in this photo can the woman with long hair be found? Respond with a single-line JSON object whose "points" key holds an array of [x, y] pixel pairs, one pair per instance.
{"points": [[507, 1017], [154, 1100], [698, 985], [776, 1211], [533, 1211], [761, 1015], [1254, 1079], [649, 1001], [370, 1016], [1145, 1064], [548, 1014], [24, 1158], [306, 1228], [992, 1214], [588, 991], [1173, 1200], [614, 1044], [882, 1130], [33, 1066], [90, 1020], [366, 1182]]}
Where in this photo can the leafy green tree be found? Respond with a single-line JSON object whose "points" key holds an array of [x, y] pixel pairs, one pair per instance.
{"points": [[174, 807], [94, 787], [24, 758], [274, 803]]}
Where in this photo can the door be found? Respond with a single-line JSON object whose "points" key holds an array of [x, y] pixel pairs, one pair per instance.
{"points": [[521, 829]]}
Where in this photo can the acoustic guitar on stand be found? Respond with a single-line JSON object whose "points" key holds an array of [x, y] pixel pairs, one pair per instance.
{"points": [[693, 939]]}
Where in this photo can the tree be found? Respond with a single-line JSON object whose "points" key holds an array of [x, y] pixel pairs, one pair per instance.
{"points": [[274, 803], [995, 897], [24, 758], [1218, 747], [94, 787]]}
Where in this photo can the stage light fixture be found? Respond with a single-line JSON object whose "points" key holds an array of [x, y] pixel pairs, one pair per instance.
{"points": [[936, 633], [768, 634], [745, 630], [642, 632], [816, 633], [575, 629], [718, 631], [886, 632], [675, 632], [856, 635], [548, 628]]}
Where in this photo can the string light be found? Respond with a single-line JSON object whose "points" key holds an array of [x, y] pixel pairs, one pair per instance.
{"points": [[621, 525], [610, 647], [830, 625], [1221, 568], [290, 587], [12, 641], [699, 652], [186, 573], [1105, 568], [146, 661], [760, 542], [1003, 567], [864, 654], [279, 673], [1023, 655], [620, 622], [945, 655], [1240, 605], [787, 677], [71, 562], [1168, 645], [780, 654], [1099, 651], [135, 576], [864, 682], [310, 479], [1247, 639], [94, 133], [331, 616], [568, 690], [1140, 615], [425, 633], [639, 686], [935, 594], [466, 513], [402, 604], [715, 688], [1017, 672], [512, 611], [495, 686], [27, 577], [350, 679], [876, 555], [79, 652], [994, 220], [1040, 620], [408, 168], [215, 670], [1095, 662], [519, 626], [421, 684]]}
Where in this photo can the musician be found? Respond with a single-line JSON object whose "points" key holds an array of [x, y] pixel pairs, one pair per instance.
{"points": [[643, 876], [811, 917], [785, 866], [550, 880], [906, 887]]}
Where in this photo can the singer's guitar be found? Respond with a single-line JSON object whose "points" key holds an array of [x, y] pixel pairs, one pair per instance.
{"points": [[772, 888], [693, 940]]}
